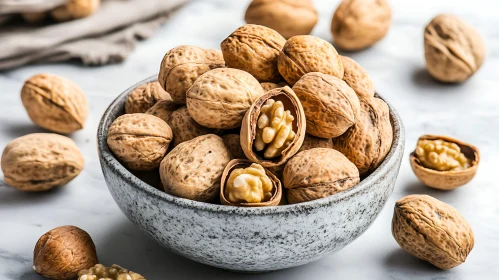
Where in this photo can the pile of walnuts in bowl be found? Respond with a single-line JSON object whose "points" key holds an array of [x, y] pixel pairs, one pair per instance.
{"points": [[255, 124]]}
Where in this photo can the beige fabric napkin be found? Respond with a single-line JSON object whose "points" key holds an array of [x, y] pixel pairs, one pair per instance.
{"points": [[107, 36]]}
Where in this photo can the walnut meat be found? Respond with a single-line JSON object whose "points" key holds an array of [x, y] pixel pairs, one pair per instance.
{"points": [[181, 66], [432, 231], [41, 161], [185, 128], [194, 168], [163, 109], [254, 49], [330, 105], [62, 252], [75, 9], [454, 50], [140, 141], [318, 173], [288, 17], [441, 155], [115, 272], [305, 54], [358, 24], [357, 78], [55, 103], [144, 97], [220, 98]]}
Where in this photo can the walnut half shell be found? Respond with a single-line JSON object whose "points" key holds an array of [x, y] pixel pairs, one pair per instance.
{"points": [[446, 180]]}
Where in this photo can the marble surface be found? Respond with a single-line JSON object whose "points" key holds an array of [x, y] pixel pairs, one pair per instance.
{"points": [[468, 112]]}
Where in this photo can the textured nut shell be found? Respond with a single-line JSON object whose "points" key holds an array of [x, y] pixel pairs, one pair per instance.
{"points": [[220, 98], [144, 97], [446, 180], [185, 128], [75, 9], [330, 105], [269, 86], [55, 103], [357, 78], [163, 109], [311, 142], [181, 66], [241, 163], [249, 124], [432, 230], [62, 252], [233, 143], [318, 173], [288, 17], [358, 24], [41, 161], [454, 50], [194, 168], [305, 54], [254, 49], [140, 141]]}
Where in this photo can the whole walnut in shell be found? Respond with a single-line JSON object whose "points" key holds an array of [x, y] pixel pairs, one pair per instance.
{"points": [[164, 109], [432, 231], [194, 168], [233, 143], [185, 128], [318, 173], [330, 105], [357, 78], [140, 141], [454, 50], [269, 86], [62, 252], [144, 97], [55, 103], [358, 24], [304, 54], [254, 49], [367, 143], [75, 9], [41, 161], [311, 142], [220, 98], [288, 17], [181, 66]]}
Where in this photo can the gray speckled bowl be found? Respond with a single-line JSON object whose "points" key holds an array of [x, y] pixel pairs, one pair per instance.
{"points": [[249, 239]]}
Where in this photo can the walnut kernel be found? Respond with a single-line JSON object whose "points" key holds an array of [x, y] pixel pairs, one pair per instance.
{"points": [[249, 185], [114, 272], [441, 155]]}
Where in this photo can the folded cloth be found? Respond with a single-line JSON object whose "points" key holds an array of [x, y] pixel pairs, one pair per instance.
{"points": [[107, 36]]}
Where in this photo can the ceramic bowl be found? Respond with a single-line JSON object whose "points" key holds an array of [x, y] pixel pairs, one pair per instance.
{"points": [[249, 239]]}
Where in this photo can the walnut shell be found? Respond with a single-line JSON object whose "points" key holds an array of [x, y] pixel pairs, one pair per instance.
{"points": [[164, 109], [304, 54], [194, 168], [358, 24], [41, 161], [220, 98], [75, 9], [367, 143], [330, 105], [318, 173], [249, 126], [432, 231], [254, 49], [185, 128], [140, 141], [311, 142], [233, 143], [357, 78], [269, 86], [241, 163], [454, 50], [446, 180], [288, 17], [55, 103], [181, 66], [62, 252], [144, 97]]}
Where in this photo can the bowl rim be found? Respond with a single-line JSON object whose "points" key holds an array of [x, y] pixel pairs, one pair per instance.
{"points": [[106, 157]]}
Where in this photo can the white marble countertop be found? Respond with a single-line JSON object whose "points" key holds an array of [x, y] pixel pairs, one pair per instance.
{"points": [[468, 112]]}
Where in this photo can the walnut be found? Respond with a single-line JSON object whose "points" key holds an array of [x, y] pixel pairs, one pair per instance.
{"points": [[358, 24], [304, 54], [269, 86], [254, 49], [182, 65], [311, 142], [288, 17], [454, 50], [144, 97], [318, 173], [62, 252], [220, 97], [432, 231], [185, 128], [330, 105], [55, 103], [115, 272], [164, 109], [75, 9], [357, 78], [441, 155], [140, 141], [41, 161], [233, 143]]}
